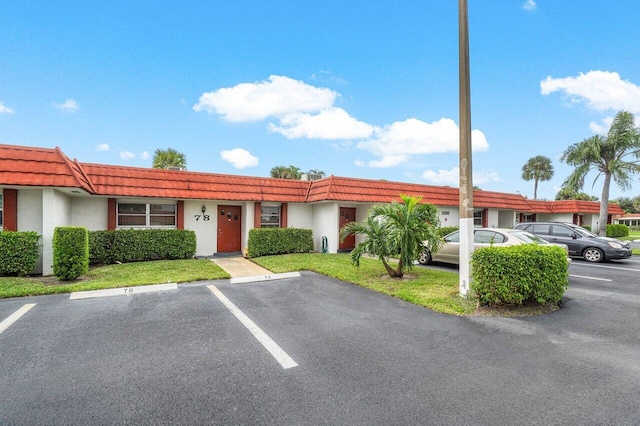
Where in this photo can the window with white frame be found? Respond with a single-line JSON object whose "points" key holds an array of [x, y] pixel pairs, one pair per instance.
{"points": [[141, 215], [269, 217], [477, 218]]}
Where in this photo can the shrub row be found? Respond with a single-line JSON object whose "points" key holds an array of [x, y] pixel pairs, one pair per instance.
{"points": [[519, 274], [267, 241], [18, 252], [138, 245], [613, 231], [70, 252], [617, 230], [446, 230]]}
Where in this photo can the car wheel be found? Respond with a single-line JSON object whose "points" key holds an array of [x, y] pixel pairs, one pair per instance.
{"points": [[425, 257], [593, 254]]}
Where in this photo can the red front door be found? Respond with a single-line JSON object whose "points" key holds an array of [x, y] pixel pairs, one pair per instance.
{"points": [[229, 229], [347, 215]]}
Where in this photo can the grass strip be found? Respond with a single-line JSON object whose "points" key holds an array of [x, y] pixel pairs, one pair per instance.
{"points": [[116, 276], [436, 290]]}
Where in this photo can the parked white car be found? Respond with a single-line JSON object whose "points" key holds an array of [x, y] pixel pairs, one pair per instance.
{"points": [[482, 237]]}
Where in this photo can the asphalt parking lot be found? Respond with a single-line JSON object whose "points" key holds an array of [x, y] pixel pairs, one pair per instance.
{"points": [[185, 356]]}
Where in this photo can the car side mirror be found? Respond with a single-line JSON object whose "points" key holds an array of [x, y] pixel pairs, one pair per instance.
{"points": [[574, 236]]}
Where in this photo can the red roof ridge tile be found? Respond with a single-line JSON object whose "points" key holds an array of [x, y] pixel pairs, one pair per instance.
{"points": [[77, 172]]}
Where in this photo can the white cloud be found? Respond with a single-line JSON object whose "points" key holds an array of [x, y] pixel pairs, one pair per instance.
{"points": [[68, 106], [277, 97], [126, 155], [452, 177], [331, 123], [144, 155], [600, 90], [239, 158], [602, 127], [395, 143], [529, 5], [5, 109], [103, 147]]}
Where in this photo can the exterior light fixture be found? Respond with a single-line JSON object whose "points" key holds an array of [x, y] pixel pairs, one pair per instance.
{"points": [[204, 208]]}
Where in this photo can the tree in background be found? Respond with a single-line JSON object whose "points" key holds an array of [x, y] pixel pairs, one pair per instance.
{"points": [[396, 229], [283, 172], [165, 158], [615, 156], [537, 168], [629, 205], [571, 194]]}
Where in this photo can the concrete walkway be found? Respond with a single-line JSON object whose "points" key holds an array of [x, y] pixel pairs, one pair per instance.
{"points": [[239, 267]]}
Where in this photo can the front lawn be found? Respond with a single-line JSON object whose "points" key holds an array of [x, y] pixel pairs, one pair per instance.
{"points": [[114, 276], [436, 290]]}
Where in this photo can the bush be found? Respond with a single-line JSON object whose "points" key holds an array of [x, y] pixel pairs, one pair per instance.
{"points": [[587, 227], [18, 252], [267, 241], [139, 245], [617, 230], [70, 252], [445, 230], [520, 274]]}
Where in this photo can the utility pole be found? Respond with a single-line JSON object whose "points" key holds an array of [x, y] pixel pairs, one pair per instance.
{"points": [[466, 171]]}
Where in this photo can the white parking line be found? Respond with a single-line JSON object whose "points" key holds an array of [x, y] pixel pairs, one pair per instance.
{"points": [[609, 267], [590, 278], [258, 278], [122, 291], [276, 351], [15, 316]]}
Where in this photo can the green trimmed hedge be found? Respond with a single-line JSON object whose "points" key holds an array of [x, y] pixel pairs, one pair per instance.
{"points": [[267, 241], [18, 252], [70, 252], [446, 230], [140, 245], [617, 230], [519, 274]]}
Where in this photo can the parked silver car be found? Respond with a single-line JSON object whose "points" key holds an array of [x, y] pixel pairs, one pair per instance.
{"points": [[482, 237]]}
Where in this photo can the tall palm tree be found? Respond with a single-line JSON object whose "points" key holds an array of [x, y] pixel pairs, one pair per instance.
{"points": [[396, 229], [537, 168], [165, 158], [615, 156]]}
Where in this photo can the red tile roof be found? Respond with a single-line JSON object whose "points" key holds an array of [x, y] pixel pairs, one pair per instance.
{"points": [[28, 166], [142, 182], [577, 206]]}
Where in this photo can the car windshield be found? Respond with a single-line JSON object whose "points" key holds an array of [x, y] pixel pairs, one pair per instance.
{"points": [[529, 238], [583, 232]]}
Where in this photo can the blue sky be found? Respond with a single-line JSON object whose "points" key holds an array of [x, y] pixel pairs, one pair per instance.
{"points": [[362, 88]]}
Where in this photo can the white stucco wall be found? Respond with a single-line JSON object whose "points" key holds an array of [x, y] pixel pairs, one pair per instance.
{"points": [[206, 230], [449, 216], [555, 217], [30, 216], [56, 211], [506, 218], [300, 216], [92, 213], [326, 223], [492, 218]]}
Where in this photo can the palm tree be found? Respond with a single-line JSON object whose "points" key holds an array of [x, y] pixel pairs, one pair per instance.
{"points": [[396, 229], [537, 168], [615, 156], [283, 172], [163, 159]]}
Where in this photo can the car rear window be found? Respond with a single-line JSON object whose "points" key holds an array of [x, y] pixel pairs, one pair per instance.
{"points": [[487, 237]]}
